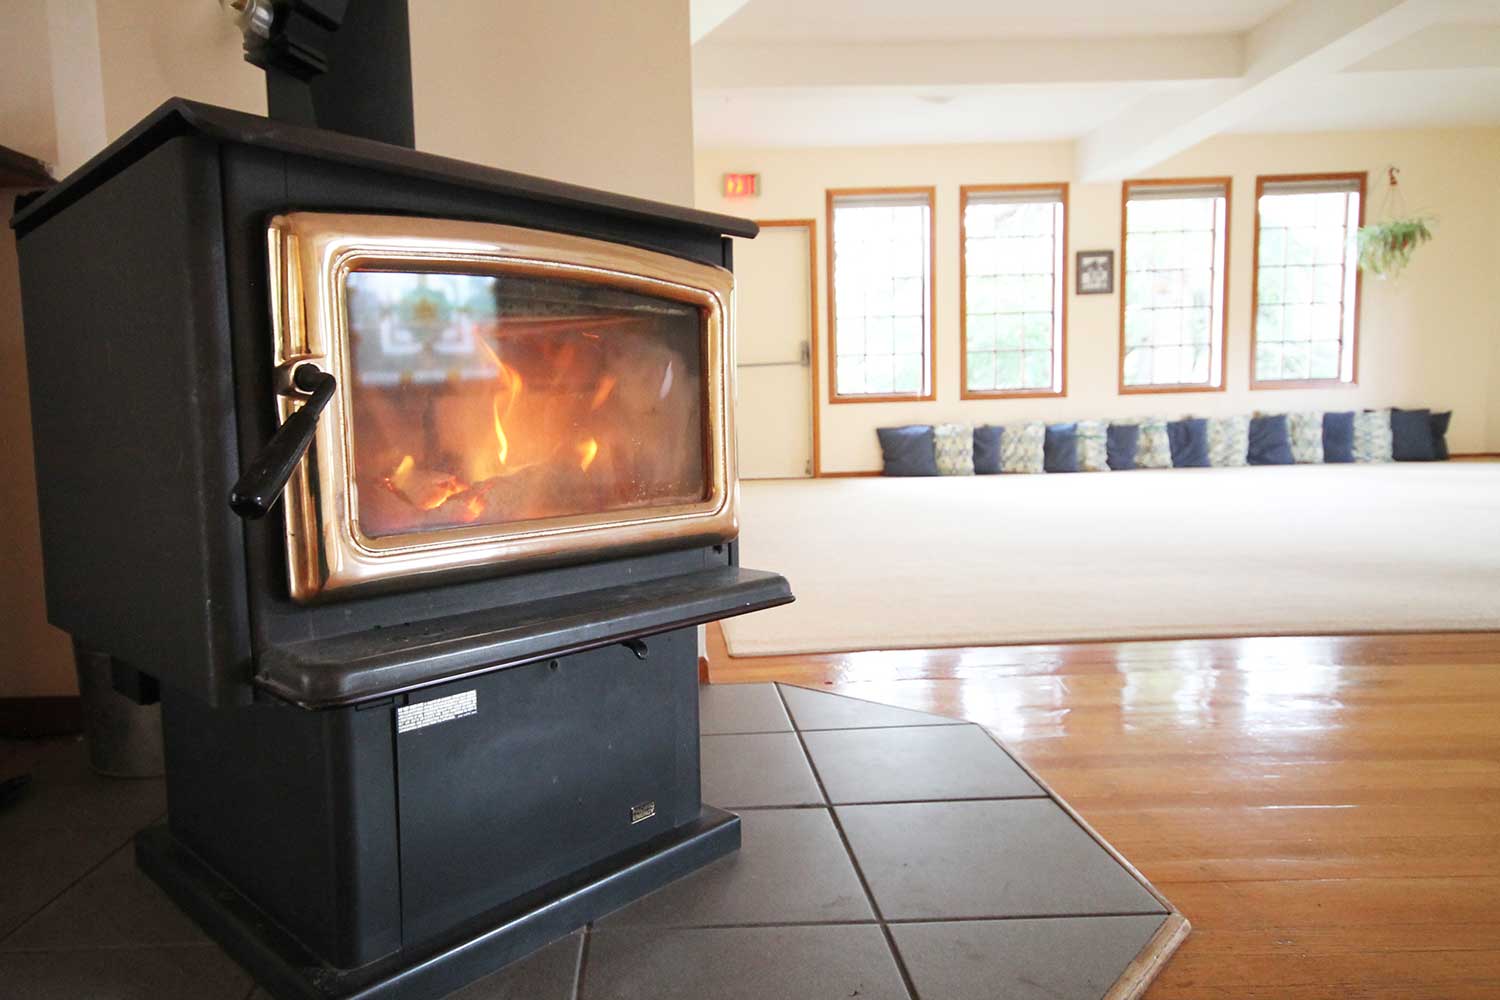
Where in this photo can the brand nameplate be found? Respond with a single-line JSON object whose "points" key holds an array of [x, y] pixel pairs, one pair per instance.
{"points": [[430, 713]]}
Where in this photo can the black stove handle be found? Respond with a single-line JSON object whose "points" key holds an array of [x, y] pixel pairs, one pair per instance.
{"points": [[260, 485]]}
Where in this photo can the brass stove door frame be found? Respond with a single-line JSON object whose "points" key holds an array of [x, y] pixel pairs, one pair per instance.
{"points": [[310, 255]]}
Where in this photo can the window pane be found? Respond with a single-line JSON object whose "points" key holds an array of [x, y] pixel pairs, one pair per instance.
{"points": [[881, 262], [1173, 276], [1012, 293], [1306, 248]]}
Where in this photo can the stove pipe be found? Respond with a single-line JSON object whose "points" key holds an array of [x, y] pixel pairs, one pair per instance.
{"points": [[343, 65]]}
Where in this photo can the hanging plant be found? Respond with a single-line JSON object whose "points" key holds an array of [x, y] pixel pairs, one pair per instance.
{"points": [[1385, 247]]}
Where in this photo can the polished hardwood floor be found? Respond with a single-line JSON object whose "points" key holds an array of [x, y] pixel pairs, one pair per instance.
{"points": [[1326, 811]]}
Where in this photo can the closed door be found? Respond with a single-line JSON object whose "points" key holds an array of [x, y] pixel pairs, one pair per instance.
{"points": [[775, 293]]}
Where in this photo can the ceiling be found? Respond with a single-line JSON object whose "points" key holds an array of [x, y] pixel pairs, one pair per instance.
{"points": [[1131, 81], [903, 21]]}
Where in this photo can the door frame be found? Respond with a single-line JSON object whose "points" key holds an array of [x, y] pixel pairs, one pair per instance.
{"points": [[811, 225]]}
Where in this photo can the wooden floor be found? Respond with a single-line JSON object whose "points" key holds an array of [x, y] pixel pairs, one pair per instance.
{"points": [[1326, 811]]}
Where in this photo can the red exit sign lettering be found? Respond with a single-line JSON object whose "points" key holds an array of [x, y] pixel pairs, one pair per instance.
{"points": [[741, 185]]}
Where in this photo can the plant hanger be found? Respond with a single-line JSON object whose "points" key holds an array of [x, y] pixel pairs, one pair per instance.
{"points": [[1385, 247]]}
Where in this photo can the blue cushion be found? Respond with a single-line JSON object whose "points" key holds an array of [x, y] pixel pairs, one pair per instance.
{"points": [[1411, 436], [1338, 437], [909, 451], [1121, 443], [987, 449], [1060, 452], [1440, 434], [1270, 442], [1189, 441]]}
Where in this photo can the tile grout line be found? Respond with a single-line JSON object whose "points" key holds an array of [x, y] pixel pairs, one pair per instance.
{"points": [[885, 931], [583, 959], [110, 853], [904, 922], [889, 802]]}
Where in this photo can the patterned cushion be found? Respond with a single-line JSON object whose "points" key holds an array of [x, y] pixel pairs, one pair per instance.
{"points": [[1093, 446], [954, 449], [1306, 432], [1021, 447], [1154, 450], [1372, 436], [1228, 441]]}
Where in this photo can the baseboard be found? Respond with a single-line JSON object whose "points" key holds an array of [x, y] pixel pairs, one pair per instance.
{"points": [[41, 717], [1475, 454], [848, 475]]}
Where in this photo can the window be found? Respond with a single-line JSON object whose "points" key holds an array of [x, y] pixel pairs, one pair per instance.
{"points": [[1013, 317], [1175, 237], [880, 294], [1306, 280]]}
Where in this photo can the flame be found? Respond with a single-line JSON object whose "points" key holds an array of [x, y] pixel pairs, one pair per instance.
{"points": [[587, 452], [511, 386], [503, 452], [606, 386], [402, 473]]}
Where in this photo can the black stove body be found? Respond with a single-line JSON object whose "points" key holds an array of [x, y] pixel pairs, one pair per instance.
{"points": [[391, 793]]}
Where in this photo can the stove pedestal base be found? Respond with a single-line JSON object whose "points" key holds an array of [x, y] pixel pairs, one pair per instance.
{"points": [[289, 972]]}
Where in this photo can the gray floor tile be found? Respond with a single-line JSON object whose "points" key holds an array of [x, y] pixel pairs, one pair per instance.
{"points": [[792, 869], [1066, 958], [821, 710], [548, 974], [116, 905], [759, 769], [915, 763], [67, 822], [754, 963], [741, 708], [1018, 857], [186, 972]]}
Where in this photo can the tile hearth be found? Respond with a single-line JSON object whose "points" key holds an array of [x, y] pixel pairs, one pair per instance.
{"points": [[888, 855]]}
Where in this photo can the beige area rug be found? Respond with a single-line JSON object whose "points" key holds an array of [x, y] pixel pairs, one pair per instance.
{"points": [[901, 563]]}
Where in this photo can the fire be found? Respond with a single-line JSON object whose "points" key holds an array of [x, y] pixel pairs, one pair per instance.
{"points": [[503, 452], [423, 490], [503, 401], [601, 394], [541, 420], [587, 452]]}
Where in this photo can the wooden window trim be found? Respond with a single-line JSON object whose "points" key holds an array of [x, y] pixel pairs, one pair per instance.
{"points": [[811, 225], [1362, 178], [1222, 335], [1061, 346], [833, 194]]}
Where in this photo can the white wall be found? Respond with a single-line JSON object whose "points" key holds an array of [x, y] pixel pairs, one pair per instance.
{"points": [[597, 94], [1427, 339]]}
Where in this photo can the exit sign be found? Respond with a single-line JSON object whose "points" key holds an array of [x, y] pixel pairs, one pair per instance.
{"points": [[741, 185]]}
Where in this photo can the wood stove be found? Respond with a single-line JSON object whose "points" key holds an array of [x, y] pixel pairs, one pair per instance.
{"points": [[438, 706]]}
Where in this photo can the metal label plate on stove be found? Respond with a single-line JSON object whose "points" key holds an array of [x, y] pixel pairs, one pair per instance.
{"points": [[429, 713]]}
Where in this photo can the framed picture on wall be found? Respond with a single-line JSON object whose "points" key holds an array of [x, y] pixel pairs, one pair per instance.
{"points": [[1094, 272]]}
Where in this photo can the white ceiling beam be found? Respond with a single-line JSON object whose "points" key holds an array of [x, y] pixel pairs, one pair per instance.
{"points": [[1304, 41], [1442, 46], [706, 15], [729, 66]]}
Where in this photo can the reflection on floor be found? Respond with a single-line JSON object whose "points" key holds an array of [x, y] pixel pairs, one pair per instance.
{"points": [[1324, 810], [887, 854]]}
